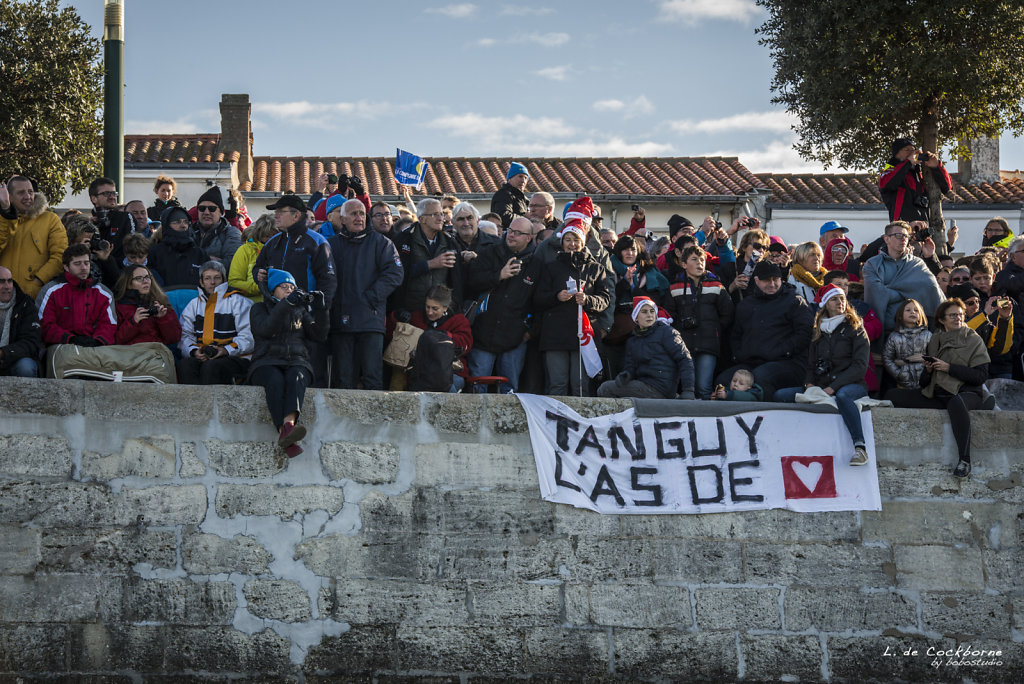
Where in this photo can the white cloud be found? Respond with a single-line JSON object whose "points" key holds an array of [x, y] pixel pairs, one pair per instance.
{"points": [[611, 147], [641, 105], [497, 131], [325, 115], [556, 73], [693, 11], [486, 42], [777, 156], [609, 105], [513, 11], [773, 121], [463, 11]]}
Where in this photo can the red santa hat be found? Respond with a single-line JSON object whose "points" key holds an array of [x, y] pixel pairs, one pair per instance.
{"points": [[574, 226], [582, 208], [640, 302], [828, 292]]}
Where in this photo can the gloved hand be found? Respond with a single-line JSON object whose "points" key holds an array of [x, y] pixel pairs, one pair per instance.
{"points": [[295, 298], [85, 341], [403, 315], [319, 299], [357, 185], [342, 183], [622, 379]]}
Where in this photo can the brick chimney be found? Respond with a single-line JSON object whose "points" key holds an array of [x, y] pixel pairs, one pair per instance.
{"points": [[983, 166], [236, 133]]}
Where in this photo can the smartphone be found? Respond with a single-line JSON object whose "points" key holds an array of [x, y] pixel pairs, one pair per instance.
{"points": [[929, 359], [635, 208]]}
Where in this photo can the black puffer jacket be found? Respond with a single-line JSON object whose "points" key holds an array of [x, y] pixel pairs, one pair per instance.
{"points": [[559, 319], [772, 327], [176, 259], [702, 313], [502, 325], [281, 332], [657, 357], [509, 202], [841, 356], [24, 338]]}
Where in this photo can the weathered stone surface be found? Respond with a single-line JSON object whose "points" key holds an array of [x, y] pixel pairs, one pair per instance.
{"points": [[497, 559], [191, 466], [225, 649], [362, 649], [939, 568], [244, 459], [391, 601], [19, 550], [32, 648], [967, 616], [244, 405], [678, 656], [910, 428], [180, 602], [368, 463], [60, 598], [991, 430], [591, 407], [567, 651], [143, 403], [402, 556], [141, 457], [817, 565], [461, 413], [738, 608], [1003, 569], [516, 605], [628, 605], [505, 415], [837, 610], [608, 559], [277, 600], [106, 551], [474, 465], [284, 501], [727, 526], [487, 650], [949, 522], [41, 396], [769, 657], [58, 504], [693, 561], [570, 520], [373, 408], [171, 505], [35, 456], [208, 554], [863, 659]]}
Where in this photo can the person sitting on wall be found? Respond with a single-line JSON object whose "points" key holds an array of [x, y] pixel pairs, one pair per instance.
{"points": [[437, 315], [176, 258], [32, 238], [104, 267], [143, 311], [21, 343], [77, 310], [216, 342]]}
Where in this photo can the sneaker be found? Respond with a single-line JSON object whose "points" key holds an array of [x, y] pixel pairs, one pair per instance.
{"points": [[290, 434], [963, 469], [860, 456], [293, 450]]}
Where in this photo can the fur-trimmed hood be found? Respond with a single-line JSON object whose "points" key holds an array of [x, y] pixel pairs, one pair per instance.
{"points": [[40, 203]]}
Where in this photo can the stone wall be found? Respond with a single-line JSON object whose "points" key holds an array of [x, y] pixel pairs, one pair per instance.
{"points": [[153, 530]]}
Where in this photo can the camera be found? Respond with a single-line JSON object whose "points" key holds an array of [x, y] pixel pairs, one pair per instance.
{"points": [[924, 156], [718, 225], [823, 367], [688, 322], [152, 309], [332, 179], [1001, 302], [208, 350], [301, 297], [921, 201], [922, 234], [635, 208], [98, 244]]}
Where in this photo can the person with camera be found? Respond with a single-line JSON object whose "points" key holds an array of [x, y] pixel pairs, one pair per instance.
{"points": [[837, 360], [955, 369], [895, 274], [144, 314], [994, 322], [429, 257], [113, 223], [32, 239], [902, 181], [283, 326], [753, 248], [215, 354], [104, 267], [329, 185], [211, 230]]}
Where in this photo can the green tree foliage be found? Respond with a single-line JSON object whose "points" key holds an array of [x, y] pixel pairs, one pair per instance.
{"points": [[50, 98], [860, 74]]}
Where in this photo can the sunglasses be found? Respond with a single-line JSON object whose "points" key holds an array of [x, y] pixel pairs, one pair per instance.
{"points": [[207, 207], [759, 245], [959, 279]]}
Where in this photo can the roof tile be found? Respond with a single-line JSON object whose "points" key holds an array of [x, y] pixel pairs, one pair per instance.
{"points": [[862, 188]]}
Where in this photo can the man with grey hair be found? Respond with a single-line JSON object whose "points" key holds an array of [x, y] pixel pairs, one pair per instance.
{"points": [[429, 257], [472, 241], [542, 207], [216, 341], [21, 342]]}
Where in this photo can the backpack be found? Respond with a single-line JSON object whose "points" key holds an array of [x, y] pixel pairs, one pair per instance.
{"points": [[431, 369]]}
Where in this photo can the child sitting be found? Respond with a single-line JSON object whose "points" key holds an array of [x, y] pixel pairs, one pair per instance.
{"points": [[741, 388], [905, 346], [436, 316]]}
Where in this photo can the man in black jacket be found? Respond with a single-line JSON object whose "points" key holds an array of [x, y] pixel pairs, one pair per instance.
{"points": [[509, 201], [430, 257], [20, 340], [771, 333], [471, 240], [504, 274], [368, 271]]}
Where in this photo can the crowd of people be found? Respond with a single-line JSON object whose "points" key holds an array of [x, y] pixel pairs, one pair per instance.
{"points": [[320, 292]]}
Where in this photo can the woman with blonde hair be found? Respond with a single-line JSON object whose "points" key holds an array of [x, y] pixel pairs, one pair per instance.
{"points": [[253, 238], [753, 248], [807, 273]]}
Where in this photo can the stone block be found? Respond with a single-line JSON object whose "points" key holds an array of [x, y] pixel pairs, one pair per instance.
{"points": [[191, 466], [139, 456], [496, 559], [180, 602], [40, 396], [581, 522], [838, 610], [516, 605], [145, 404], [413, 557], [880, 659], [35, 456], [283, 501], [485, 650], [930, 481], [946, 522], [106, 551], [1018, 612], [208, 554], [598, 560], [908, 428], [455, 413], [558, 650], [32, 648], [59, 504], [448, 464], [19, 550], [772, 657], [641, 654], [505, 415], [738, 609], [362, 649], [592, 407], [381, 601], [725, 526], [697, 561], [244, 459], [1003, 569], [225, 649], [365, 463], [967, 617], [60, 598], [997, 429], [167, 505], [938, 568], [373, 408], [628, 605], [818, 565], [277, 600], [245, 405], [827, 526]]}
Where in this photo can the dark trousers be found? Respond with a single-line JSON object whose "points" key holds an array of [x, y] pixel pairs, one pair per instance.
{"points": [[357, 356], [318, 352], [957, 406], [771, 376], [285, 387], [222, 371]]}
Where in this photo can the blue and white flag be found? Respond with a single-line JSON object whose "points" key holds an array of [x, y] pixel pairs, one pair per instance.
{"points": [[409, 169]]}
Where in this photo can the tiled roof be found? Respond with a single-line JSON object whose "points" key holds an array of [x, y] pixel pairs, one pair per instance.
{"points": [[672, 177], [862, 188], [171, 149]]}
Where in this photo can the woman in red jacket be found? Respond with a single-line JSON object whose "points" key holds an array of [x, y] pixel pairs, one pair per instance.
{"points": [[436, 315], [144, 313]]}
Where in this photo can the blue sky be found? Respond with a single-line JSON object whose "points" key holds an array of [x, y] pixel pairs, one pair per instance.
{"points": [[555, 78]]}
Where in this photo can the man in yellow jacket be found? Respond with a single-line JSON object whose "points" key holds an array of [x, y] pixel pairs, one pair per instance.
{"points": [[32, 238]]}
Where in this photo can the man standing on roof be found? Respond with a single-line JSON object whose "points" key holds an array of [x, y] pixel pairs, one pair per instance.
{"points": [[509, 201], [902, 181]]}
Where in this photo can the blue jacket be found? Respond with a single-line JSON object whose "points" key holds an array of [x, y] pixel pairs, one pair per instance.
{"points": [[303, 253], [657, 357], [369, 270]]}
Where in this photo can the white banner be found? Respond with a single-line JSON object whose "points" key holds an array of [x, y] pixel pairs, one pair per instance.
{"points": [[749, 461]]}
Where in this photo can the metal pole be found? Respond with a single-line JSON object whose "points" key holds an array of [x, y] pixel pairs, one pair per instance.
{"points": [[113, 92]]}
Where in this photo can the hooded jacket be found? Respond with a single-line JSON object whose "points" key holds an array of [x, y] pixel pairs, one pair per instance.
{"points": [[658, 358], [221, 241], [176, 259], [166, 329], [772, 327], [282, 331], [559, 322], [24, 339], [369, 270], [32, 244], [221, 318], [69, 307], [849, 265], [240, 275]]}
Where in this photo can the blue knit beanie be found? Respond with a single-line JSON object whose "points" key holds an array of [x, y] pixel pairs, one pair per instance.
{"points": [[515, 169], [276, 276]]}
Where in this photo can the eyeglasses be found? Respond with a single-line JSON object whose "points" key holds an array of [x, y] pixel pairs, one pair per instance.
{"points": [[380, 214], [538, 206], [955, 315], [759, 245], [207, 207], [6, 281], [520, 233], [898, 236], [142, 278], [436, 213], [107, 193], [959, 279]]}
